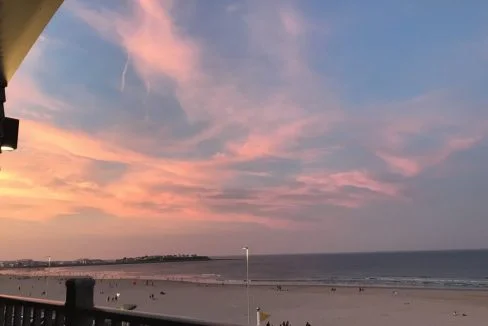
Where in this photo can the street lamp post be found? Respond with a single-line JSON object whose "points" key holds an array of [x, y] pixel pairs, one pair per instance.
{"points": [[47, 276], [247, 285]]}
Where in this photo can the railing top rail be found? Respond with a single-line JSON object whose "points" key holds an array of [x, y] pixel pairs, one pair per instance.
{"points": [[23, 300], [145, 318]]}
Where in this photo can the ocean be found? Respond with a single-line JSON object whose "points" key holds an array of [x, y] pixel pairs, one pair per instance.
{"points": [[443, 269]]}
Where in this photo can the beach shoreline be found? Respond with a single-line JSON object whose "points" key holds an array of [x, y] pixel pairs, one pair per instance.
{"points": [[103, 275]]}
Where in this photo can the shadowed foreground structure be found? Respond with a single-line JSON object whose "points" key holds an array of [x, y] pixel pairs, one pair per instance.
{"points": [[21, 24], [78, 310]]}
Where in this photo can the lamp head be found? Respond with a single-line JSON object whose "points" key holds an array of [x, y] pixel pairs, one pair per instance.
{"points": [[10, 134]]}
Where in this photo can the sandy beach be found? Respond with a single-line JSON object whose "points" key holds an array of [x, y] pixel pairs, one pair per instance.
{"points": [[297, 304]]}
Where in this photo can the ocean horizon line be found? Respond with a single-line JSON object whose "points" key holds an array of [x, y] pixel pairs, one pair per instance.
{"points": [[356, 252]]}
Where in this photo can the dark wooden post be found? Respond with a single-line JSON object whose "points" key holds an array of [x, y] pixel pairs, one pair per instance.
{"points": [[2, 312], [79, 299]]}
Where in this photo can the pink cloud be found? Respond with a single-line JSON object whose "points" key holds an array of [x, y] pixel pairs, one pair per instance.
{"points": [[276, 142], [405, 166], [25, 98], [292, 22], [410, 166], [150, 22], [172, 55], [54, 178], [50, 174], [357, 179], [49, 155], [213, 95], [393, 136]]}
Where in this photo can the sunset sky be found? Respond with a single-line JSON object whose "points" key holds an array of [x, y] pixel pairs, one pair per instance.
{"points": [[154, 127]]}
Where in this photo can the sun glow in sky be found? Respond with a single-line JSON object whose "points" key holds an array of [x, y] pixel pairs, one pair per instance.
{"points": [[152, 127]]}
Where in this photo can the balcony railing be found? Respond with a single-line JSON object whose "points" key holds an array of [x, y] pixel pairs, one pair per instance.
{"points": [[78, 310], [21, 311]]}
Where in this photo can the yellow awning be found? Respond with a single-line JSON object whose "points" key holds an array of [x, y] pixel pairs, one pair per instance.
{"points": [[22, 22]]}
